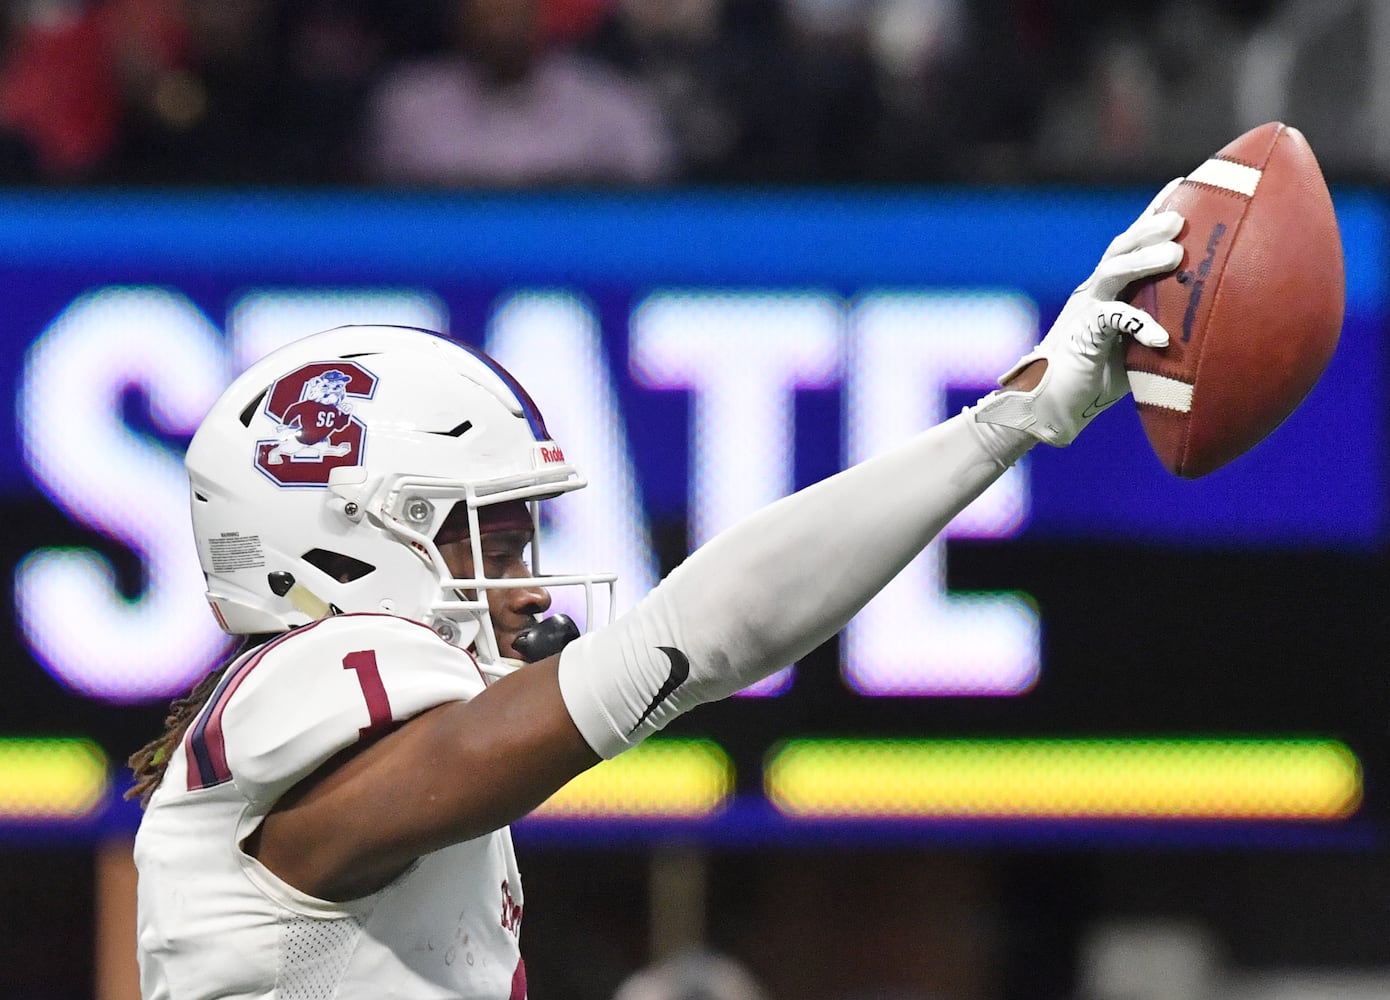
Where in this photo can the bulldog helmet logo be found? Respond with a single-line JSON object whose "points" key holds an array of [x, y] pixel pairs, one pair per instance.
{"points": [[315, 429]]}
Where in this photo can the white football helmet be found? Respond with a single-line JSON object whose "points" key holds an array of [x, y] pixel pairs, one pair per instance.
{"points": [[309, 502]]}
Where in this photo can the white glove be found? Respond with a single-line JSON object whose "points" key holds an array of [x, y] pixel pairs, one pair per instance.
{"points": [[1085, 370]]}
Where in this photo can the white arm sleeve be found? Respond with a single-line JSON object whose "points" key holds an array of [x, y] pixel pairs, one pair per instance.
{"points": [[769, 590]]}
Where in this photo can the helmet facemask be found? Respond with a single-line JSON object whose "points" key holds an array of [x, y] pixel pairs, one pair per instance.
{"points": [[425, 514]]}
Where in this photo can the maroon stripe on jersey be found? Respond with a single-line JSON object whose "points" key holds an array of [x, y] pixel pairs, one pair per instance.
{"points": [[204, 746]]}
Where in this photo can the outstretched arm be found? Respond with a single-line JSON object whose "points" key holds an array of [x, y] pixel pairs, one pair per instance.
{"points": [[755, 598], [772, 588]]}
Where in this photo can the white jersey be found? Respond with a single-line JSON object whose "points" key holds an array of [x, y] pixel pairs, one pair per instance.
{"points": [[214, 922]]}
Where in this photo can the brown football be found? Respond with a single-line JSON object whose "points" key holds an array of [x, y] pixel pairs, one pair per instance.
{"points": [[1254, 310]]}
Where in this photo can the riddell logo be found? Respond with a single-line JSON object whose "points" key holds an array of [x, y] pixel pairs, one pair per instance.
{"points": [[551, 453]]}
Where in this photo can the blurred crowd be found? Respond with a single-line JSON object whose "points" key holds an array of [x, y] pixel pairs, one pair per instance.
{"points": [[505, 93]]}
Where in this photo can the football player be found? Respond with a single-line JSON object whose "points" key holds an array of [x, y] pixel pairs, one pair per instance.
{"points": [[327, 813]]}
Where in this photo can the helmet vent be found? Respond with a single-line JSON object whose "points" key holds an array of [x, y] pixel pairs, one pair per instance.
{"points": [[458, 431], [343, 568], [359, 354], [252, 407]]}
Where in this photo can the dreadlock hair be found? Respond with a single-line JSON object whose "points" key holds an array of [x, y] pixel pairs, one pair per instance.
{"points": [[149, 762]]}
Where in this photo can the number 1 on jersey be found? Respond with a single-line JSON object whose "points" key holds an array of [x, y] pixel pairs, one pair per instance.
{"points": [[363, 664]]}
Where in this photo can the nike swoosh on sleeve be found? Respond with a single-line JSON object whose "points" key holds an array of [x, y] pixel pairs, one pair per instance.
{"points": [[680, 670]]}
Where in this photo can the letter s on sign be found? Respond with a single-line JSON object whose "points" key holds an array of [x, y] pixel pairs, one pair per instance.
{"points": [[124, 484]]}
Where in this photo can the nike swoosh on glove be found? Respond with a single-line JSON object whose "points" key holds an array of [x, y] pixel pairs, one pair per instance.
{"points": [[1085, 371]]}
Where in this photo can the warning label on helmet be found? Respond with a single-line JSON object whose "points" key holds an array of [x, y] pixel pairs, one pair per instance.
{"points": [[232, 550]]}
